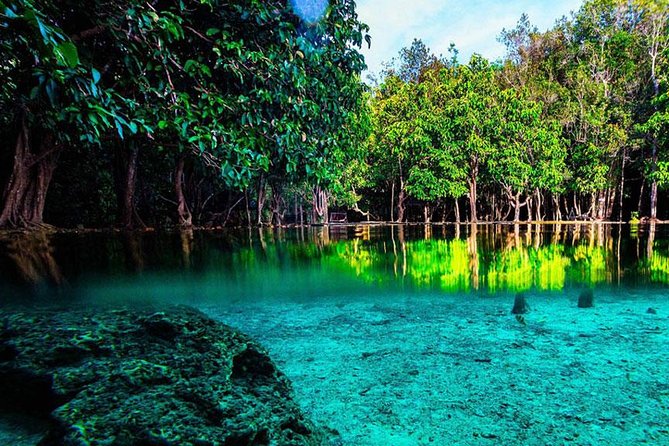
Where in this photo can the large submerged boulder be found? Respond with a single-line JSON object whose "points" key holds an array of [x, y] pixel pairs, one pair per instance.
{"points": [[145, 377]]}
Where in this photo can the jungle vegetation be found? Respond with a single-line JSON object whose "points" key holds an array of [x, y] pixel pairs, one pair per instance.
{"points": [[210, 113]]}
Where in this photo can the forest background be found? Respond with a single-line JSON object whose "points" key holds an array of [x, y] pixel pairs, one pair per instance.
{"points": [[209, 113]]}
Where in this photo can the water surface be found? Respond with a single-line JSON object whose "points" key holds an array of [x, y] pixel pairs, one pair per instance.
{"points": [[320, 263], [402, 335]]}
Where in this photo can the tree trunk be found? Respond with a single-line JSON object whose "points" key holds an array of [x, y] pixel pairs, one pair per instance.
{"points": [[248, 210], [276, 205], [427, 214], [538, 213], [24, 196], [516, 208], [494, 205], [392, 202], [641, 192], [261, 200], [557, 213], [621, 191], [295, 207], [126, 191], [608, 203], [472, 200], [401, 202], [653, 191], [183, 212], [457, 212], [594, 209], [320, 205], [473, 174], [658, 46]]}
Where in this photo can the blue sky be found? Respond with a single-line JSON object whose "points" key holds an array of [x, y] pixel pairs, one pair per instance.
{"points": [[472, 25]]}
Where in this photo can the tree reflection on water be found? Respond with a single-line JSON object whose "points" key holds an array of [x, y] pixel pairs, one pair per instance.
{"points": [[305, 261]]}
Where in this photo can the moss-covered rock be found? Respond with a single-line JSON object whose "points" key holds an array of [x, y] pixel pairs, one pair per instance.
{"points": [[146, 377]]}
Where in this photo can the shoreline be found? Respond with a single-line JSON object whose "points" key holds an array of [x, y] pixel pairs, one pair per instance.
{"points": [[169, 230]]}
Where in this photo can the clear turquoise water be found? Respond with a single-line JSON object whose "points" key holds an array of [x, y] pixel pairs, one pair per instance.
{"points": [[403, 335]]}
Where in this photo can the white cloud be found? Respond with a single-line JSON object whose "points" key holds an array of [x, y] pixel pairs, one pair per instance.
{"points": [[472, 25]]}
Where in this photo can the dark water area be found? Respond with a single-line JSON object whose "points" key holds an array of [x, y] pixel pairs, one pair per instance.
{"points": [[320, 263]]}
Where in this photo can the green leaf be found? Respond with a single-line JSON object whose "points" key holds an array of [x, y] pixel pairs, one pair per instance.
{"points": [[96, 75], [190, 63], [9, 13], [44, 31], [119, 128], [50, 88], [68, 54]]}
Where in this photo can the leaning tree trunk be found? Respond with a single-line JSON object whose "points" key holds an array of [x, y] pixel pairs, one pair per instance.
{"points": [[24, 196], [183, 212]]}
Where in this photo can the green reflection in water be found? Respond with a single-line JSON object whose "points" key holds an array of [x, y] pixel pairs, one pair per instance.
{"points": [[321, 262]]}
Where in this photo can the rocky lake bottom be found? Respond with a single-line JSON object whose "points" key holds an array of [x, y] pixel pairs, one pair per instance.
{"points": [[461, 369], [465, 371]]}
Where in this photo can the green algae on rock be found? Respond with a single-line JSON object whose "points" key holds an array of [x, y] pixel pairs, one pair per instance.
{"points": [[138, 377]]}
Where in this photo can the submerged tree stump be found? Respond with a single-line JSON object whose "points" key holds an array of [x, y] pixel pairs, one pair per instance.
{"points": [[520, 305], [586, 299]]}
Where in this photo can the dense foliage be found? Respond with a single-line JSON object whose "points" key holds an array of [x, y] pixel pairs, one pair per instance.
{"points": [[252, 112], [247, 87], [572, 124]]}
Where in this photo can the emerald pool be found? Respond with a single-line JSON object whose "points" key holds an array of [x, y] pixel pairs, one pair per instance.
{"points": [[403, 335]]}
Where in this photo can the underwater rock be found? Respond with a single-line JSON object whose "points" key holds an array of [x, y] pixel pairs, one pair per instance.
{"points": [[586, 299], [520, 305], [140, 377]]}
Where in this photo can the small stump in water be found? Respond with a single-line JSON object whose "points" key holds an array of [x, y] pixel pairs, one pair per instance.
{"points": [[586, 299], [520, 304]]}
